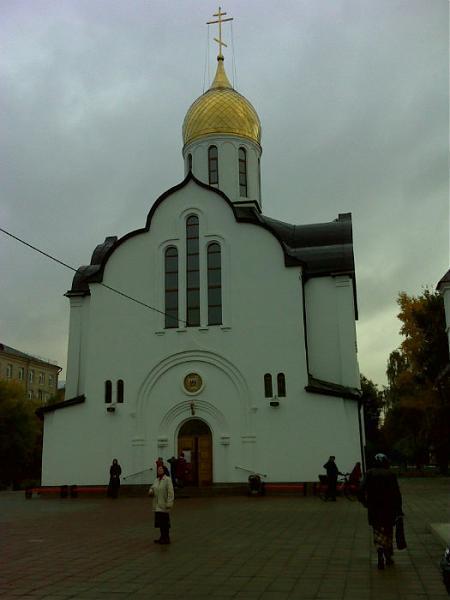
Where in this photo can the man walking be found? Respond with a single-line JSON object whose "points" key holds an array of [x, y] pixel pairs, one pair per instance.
{"points": [[332, 475]]}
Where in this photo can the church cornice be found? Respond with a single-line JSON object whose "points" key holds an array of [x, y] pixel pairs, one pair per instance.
{"points": [[328, 388], [42, 410]]}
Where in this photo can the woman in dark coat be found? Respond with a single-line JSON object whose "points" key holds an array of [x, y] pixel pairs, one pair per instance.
{"points": [[332, 475], [114, 479], [381, 496]]}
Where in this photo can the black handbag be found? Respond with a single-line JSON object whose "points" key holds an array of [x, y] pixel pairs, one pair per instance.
{"points": [[400, 539]]}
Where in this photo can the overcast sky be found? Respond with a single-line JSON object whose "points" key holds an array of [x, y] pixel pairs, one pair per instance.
{"points": [[353, 100]]}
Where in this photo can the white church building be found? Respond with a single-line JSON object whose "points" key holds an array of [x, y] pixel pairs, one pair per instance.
{"points": [[249, 364]]}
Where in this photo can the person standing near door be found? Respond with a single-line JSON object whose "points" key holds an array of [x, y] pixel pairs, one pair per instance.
{"points": [[181, 470], [163, 498], [173, 469]]}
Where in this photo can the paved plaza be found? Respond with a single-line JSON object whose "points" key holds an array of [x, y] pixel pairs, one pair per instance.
{"points": [[230, 547]]}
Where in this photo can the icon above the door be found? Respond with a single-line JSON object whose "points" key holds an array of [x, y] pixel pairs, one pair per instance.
{"points": [[193, 383]]}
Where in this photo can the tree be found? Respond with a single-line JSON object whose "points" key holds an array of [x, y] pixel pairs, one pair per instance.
{"points": [[417, 398], [372, 399], [20, 435]]}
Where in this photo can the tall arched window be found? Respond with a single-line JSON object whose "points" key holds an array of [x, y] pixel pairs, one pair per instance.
{"points": [[190, 162], [120, 390], [108, 391], [192, 272], [213, 165], [214, 285], [171, 287], [281, 385], [268, 389], [243, 172]]}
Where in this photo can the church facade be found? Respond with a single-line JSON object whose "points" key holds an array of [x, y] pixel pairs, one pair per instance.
{"points": [[249, 363]]}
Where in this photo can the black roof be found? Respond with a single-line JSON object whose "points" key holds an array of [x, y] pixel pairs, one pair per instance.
{"points": [[322, 249], [444, 279], [42, 410]]}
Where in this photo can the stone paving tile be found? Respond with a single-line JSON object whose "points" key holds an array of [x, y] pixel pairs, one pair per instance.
{"points": [[254, 548]]}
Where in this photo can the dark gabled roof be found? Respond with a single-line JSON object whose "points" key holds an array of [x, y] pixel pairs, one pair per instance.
{"points": [[40, 412], [443, 280], [324, 248], [321, 249], [19, 354]]}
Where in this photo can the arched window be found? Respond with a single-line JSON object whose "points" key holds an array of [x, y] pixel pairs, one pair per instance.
{"points": [[281, 385], [120, 390], [108, 391], [213, 165], [243, 172], [190, 162], [214, 285], [192, 272], [171, 287], [268, 390]]}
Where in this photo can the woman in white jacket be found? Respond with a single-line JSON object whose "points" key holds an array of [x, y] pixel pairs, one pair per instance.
{"points": [[163, 497]]}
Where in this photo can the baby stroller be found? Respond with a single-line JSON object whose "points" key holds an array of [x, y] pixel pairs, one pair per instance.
{"points": [[256, 486]]}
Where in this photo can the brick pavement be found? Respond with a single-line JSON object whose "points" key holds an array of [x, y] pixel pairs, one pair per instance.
{"points": [[235, 547]]}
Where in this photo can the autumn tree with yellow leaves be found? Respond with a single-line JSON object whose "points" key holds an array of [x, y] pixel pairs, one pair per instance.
{"points": [[417, 399]]}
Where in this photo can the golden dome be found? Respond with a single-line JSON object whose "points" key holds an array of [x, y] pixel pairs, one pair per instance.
{"points": [[221, 110]]}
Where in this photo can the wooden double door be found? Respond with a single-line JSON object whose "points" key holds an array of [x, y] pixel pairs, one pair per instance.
{"points": [[195, 440]]}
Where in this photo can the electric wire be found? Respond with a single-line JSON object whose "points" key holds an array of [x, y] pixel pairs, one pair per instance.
{"points": [[233, 60], [108, 287], [206, 65]]}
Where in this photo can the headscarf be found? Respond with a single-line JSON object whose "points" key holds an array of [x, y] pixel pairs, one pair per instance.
{"points": [[381, 460]]}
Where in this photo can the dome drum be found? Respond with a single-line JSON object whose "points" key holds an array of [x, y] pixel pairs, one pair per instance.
{"points": [[228, 151]]}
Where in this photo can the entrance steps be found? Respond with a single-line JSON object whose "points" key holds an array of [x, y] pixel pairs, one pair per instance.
{"points": [[216, 489]]}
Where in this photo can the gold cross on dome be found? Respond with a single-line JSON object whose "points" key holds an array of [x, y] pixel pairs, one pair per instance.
{"points": [[219, 16]]}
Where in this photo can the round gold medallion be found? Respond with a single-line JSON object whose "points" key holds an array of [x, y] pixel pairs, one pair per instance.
{"points": [[192, 383]]}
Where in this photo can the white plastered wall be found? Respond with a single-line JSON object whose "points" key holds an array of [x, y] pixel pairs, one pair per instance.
{"points": [[331, 332], [262, 332]]}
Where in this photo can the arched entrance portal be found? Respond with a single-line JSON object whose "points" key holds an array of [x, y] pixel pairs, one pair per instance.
{"points": [[195, 440]]}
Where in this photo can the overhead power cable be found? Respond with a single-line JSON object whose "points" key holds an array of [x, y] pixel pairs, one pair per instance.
{"points": [[234, 72], [108, 287]]}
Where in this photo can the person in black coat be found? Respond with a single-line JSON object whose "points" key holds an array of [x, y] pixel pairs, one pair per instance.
{"points": [[332, 475], [114, 479], [381, 496]]}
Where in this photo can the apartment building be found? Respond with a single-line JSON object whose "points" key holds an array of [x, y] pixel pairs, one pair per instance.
{"points": [[38, 376]]}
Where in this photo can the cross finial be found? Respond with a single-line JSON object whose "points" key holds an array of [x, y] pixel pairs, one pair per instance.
{"points": [[219, 16]]}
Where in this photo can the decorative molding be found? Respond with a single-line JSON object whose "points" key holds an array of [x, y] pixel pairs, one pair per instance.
{"points": [[342, 281], [187, 383], [243, 392], [138, 441], [42, 410]]}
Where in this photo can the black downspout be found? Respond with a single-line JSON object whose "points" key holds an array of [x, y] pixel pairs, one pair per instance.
{"points": [[363, 458]]}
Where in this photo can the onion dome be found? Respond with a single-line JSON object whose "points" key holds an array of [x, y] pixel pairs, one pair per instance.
{"points": [[221, 110]]}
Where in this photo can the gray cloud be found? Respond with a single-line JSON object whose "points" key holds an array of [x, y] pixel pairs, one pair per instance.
{"points": [[353, 98]]}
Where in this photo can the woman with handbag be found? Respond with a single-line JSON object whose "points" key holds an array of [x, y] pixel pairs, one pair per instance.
{"points": [[381, 496], [163, 497]]}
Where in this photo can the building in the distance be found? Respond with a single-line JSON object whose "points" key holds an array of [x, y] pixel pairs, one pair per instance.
{"points": [[38, 376], [250, 362]]}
